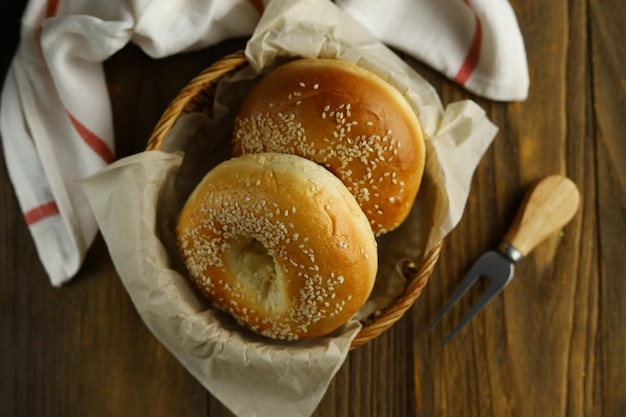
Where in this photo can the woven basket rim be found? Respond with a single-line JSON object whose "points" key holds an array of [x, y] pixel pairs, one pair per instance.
{"points": [[416, 273]]}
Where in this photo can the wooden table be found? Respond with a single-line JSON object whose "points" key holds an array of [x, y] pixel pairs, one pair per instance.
{"points": [[553, 344]]}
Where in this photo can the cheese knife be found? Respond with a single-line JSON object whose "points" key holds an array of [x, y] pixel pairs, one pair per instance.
{"points": [[546, 208]]}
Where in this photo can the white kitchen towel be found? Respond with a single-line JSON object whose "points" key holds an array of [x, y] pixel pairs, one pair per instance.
{"points": [[476, 43], [55, 114]]}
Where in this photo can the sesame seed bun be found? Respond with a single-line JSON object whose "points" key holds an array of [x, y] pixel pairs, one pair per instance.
{"points": [[280, 243], [347, 119]]}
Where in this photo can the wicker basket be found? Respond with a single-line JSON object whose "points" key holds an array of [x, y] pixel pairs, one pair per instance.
{"points": [[197, 96]]}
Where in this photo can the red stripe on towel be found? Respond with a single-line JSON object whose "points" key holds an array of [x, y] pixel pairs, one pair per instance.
{"points": [[473, 55], [51, 8], [41, 212], [92, 140], [258, 5]]}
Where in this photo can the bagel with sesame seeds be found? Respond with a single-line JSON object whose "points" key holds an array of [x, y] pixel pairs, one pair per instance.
{"points": [[345, 118], [279, 243]]}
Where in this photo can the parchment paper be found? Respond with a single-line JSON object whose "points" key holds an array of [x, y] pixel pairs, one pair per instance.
{"points": [[135, 201]]}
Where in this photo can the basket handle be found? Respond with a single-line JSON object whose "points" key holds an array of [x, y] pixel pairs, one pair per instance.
{"points": [[201, 82]]}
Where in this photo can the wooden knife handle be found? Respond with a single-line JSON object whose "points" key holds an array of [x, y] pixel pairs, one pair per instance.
{"points": [[547, 207]]}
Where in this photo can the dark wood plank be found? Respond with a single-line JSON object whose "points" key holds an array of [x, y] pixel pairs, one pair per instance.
{"points": [[582, 163], [608, 67]]}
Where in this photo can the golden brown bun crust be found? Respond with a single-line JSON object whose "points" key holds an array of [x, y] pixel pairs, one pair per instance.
{"points": [[280, 243], [347, 119]]}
